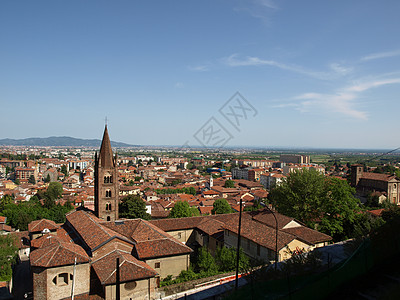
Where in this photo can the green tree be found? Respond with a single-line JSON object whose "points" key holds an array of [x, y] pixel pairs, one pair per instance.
{"points": [[182, 209], [309, 196], [8, 255], [54, 190], [221, 206], [7, 199], [206, 262], [32, 179], [133, 207], [47, 179], [229, 184], [17, 182], [64, 170]]}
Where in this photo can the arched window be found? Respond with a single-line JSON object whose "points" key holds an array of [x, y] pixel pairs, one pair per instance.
{"points": [[108, 193], [108, 206], [108, 218], [108, 178]]}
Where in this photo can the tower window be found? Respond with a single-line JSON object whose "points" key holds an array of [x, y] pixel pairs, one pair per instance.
{"points": [[108, 206], [108, 193], [108, 178]]}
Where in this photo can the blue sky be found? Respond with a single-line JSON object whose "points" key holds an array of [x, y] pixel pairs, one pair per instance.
{"points": [[315, 73]]}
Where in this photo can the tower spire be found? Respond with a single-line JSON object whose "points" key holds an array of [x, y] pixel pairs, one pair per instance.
{"points": [[106, 156]]}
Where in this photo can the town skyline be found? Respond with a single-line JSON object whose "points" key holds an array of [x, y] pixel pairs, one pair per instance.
{"points": [[315, 75]]}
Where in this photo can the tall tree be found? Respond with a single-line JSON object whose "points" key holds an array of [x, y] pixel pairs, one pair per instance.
{"points": [[309, 197], [221, 206], [8, 255], [133, 207], [229, 184], [182, 209], [32, 179]]}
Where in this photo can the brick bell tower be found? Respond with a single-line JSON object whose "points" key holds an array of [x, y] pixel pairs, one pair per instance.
{"points": [[106, 188]]}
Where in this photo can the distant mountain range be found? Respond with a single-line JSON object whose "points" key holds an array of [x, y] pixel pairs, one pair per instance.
{"points": [[58, 141]]}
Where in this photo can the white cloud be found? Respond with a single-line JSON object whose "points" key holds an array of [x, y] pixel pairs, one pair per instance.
{"points": [[342, 101], [179, 85], [340, 69], [381, 55], [235, 61], [267, 3], [200, 68]]}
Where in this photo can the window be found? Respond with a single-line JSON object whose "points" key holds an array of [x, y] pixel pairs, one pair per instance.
{"points": [[108, 193], [157, 265], [108, 218], [108, 206], [130, 285], [62, 279], [179, 235], [108, 178]]}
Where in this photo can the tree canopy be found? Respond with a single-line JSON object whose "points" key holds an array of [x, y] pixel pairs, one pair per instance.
{"points": [[229, 184], [132, 207], [8, 255], [182, 209], [311, 198], [221, 206]]}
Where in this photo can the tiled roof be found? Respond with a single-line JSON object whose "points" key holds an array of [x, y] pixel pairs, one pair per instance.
{"points": [[259, 233], [40, 225], [267, 218], [3, 219], [308, 235], [377, 176], [46, 240], [130, 268], [89, 228], [150, 241], [211, 226], [58, 254], [160, 248]]}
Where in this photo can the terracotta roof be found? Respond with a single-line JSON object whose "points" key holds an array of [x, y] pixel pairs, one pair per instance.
{"points": [[58, 254], [211, 226], [130, 268], [89, 228], [308, 235], [267, 218], [378, 176], [3, 219], [376, 212], [40, 225], [150, 241], [259, 233]]}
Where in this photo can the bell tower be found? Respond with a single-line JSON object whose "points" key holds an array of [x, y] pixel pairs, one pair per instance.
{"points": [[106, 187]]}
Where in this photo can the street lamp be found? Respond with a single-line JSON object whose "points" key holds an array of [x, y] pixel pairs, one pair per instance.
{"points": [[276, 237]]}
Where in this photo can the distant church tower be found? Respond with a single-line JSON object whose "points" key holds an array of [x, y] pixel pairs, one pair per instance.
{"points": [[106, 188]]}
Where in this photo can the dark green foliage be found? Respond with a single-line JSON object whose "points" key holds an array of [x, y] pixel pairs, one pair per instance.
{"points": [[132, 207], [16, 181], [47, 179], [226, 259], [64, 170], [206, 263], [32, 179], [309, 197], [229, 184], [182, 209], [8, 255], [186, 190], [20, 215], [221, 206]]}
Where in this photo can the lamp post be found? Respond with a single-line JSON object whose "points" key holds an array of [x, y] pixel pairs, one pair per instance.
{"points": [[276, 237], [238, 247]]}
